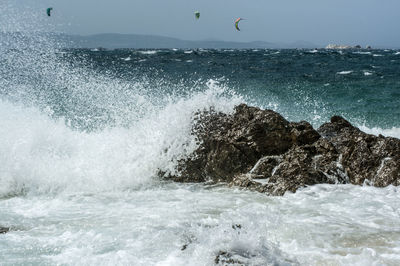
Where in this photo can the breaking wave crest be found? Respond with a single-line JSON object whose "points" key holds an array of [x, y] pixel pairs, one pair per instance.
{"points": [[43, 154], [67, 127]]}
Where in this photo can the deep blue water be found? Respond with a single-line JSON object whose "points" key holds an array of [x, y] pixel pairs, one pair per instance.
{"points": [[361, 85]]}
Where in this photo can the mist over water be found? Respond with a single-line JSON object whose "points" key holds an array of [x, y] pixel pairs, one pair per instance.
{"points": [[83, 134]]}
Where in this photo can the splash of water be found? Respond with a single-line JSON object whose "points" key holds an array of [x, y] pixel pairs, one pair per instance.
{"points": [[67, 127]]}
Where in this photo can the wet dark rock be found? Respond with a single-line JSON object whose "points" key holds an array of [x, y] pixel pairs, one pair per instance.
{"points": [[303, 133], [232, 144], [260, 150], [237, 226], [227, 258], [364, 156], [300, 166], [4, 230]]}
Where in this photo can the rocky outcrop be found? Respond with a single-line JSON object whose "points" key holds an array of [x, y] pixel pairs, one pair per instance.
{"points": [[260, 150], [4, 230], [375, 159]]}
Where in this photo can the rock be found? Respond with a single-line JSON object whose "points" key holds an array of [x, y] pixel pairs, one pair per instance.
{"points": [[364, 156], [232, 144], [4, 230], [260, 150], [300, 166], [303, 133], [227, 258]]}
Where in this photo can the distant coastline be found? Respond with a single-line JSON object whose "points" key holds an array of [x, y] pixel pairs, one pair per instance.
{"points": [[115, 40], [139, 41]]}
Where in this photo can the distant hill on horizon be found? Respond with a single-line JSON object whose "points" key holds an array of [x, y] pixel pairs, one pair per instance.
{"points": [[116, 40], [140, 41]]}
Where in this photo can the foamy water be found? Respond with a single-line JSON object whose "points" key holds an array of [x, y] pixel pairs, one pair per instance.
{"points": [[173, 224], [74, 197]]}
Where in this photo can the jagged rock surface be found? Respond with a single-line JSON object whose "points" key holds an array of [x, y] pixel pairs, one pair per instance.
{"points": [[4, 230], [260, 150], [365, 156]]}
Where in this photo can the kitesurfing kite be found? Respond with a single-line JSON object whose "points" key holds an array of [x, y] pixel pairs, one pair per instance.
{"points": [[237, 23], [197, 14], [48, 11]]}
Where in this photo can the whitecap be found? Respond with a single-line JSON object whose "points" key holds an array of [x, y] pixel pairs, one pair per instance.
{"points": [[345, 72], [149, 52], [277, 52], [367, 73], [359, 52]]}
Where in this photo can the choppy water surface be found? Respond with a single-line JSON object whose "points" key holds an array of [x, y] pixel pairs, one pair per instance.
{"points": [[172, 224], [84, 132]]}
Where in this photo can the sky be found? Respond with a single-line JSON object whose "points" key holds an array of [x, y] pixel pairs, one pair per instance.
{"points": [[351, 22]]}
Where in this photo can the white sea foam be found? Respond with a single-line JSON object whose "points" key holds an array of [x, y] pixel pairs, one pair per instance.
{"points": [[274, 53], [148, 52], [191, 224], [40, 155], [345, 72], [359, 52], [367, 73], [389, 132]]}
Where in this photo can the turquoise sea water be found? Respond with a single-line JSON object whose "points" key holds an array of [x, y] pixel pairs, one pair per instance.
{"points": [[361, 85]]}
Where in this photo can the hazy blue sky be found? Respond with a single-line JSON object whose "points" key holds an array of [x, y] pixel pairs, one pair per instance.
{"points": [[374, 22]]}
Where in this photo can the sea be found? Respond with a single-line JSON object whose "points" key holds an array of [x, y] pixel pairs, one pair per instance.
{"points": [[84, 132]]}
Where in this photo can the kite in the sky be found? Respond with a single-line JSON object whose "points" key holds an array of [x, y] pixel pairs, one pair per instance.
{"points": [[197, 14], [48, 11], [237, 23]]}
